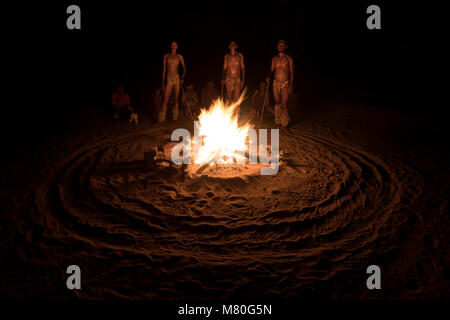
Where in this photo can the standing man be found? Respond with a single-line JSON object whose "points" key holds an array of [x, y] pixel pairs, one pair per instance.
{"points": [[233, 73], [283, 68], [171, 80]]}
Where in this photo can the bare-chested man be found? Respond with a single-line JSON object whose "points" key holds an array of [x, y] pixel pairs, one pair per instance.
{"points": [[171, 80], [233, 72], [283, 68]]}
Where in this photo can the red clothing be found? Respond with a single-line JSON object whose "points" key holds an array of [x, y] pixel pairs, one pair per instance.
{"points": [[120, 100]]}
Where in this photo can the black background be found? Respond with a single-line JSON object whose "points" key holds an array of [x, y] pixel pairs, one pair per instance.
{"points": [[57, 72], [56, 76]]}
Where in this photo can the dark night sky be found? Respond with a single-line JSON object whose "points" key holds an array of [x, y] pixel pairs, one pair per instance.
{"points": [[125, 41]]}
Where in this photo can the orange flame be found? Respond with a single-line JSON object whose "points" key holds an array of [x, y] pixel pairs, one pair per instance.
{"points": [[223, 140]]}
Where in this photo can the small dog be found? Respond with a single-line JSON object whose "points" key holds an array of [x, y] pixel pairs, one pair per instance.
{"points": [[134, 117]]}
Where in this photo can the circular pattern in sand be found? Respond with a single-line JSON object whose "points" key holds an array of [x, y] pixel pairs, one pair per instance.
{"points": [[332, 206]]}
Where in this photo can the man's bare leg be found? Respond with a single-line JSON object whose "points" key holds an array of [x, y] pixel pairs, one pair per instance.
{"points": [[236, 92], [175, 110], [167, 92], [284, 111], [229, 91], [277, 111]]}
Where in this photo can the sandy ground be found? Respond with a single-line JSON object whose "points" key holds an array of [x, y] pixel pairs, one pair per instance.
{"points": [[362, 186]]}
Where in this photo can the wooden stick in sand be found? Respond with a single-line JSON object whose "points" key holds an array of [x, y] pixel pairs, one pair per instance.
{"points": [[187, 102], [264, 104]]}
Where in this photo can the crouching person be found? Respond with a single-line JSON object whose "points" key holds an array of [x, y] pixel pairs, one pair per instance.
{"points": [[121, 103], [122, 107]]}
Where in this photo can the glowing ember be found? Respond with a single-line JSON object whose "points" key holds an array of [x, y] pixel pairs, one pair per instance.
{"points": [[223, 141]]}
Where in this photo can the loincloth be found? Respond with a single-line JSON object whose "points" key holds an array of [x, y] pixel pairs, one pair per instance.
{"points": [[279, 85], [173, 80], [232, 81]]}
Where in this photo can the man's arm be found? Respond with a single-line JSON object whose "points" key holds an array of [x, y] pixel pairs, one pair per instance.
{"points": [[272, 68], [291, 73], [164, 71], [242, 70], [225, 66], [184, 67]]}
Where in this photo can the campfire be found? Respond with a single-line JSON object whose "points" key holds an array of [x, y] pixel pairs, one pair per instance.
{"points": [[221, 147], [220, 138]]}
